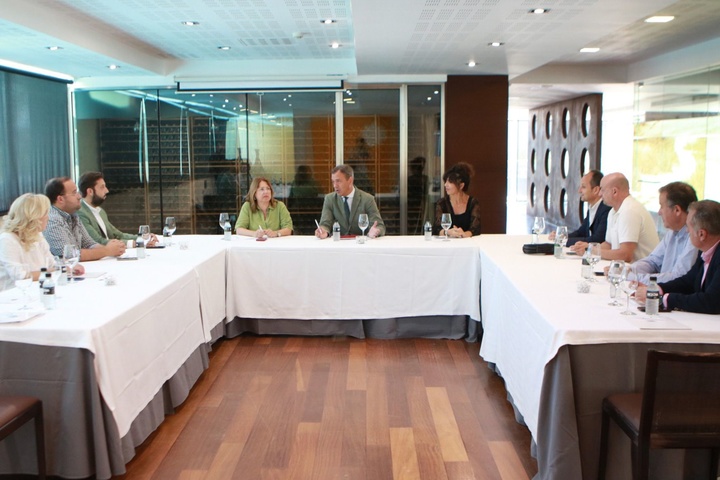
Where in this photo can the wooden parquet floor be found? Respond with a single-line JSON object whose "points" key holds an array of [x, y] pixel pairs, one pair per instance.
{"points": [[340, 408]]}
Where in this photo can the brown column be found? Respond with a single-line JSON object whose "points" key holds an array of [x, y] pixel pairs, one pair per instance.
{"points": [[476, 115]]}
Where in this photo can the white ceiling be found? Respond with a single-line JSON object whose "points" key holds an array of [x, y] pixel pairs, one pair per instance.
{"points": [[381, 41]]}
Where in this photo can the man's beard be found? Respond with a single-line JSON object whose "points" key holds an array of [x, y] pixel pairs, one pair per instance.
{"points": [[97, 200]]}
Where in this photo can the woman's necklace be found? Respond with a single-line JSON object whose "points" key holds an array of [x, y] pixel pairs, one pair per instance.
{"points": [[459, 201]]}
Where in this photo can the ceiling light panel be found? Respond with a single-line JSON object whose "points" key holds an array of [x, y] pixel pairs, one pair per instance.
{"points": [[253, 28]]}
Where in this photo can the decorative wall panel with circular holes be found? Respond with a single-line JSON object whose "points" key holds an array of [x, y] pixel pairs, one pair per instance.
{"points": [[564, 144]]}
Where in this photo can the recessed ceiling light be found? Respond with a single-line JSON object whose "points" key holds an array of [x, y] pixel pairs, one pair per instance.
{"points": [[113, 67], [436, 92], [471, 64], [224, 47], [190, 23], [328, 21], [539, 11], [54, 48], [660, 19], [335, 45], [496, 44], [589, 50]]}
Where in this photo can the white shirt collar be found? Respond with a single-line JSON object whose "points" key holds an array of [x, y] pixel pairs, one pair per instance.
{"points": [[93, 209]]}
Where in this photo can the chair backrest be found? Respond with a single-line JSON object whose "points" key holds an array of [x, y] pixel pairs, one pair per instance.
{"points": [[681, 399]]}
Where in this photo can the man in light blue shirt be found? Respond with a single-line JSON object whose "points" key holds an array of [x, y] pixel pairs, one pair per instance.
{"points": [[675, 254]]}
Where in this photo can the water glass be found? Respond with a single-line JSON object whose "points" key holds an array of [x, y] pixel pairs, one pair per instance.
{"points": [[23, 281], [144, 232], [629, 285], [538, 228], [363, 223], [594, 256], [71, 255], [446, 223], [615, 277]]}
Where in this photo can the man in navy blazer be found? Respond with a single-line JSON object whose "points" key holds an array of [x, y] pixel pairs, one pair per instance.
{"points": [[699, 289], [346, 204], [594, 225]]}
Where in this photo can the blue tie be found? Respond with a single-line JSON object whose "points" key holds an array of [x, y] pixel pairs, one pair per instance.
{"points": [[347, 208]]}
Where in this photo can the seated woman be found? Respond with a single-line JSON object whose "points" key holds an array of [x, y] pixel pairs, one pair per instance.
{"points": [[23, 249], [464, 209], [261, 215]]}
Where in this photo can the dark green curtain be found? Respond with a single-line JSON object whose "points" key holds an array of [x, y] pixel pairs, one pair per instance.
{"points": [[34, 134]]}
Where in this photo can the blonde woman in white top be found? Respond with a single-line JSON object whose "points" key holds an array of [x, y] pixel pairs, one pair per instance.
{"points": [[23, 249]]}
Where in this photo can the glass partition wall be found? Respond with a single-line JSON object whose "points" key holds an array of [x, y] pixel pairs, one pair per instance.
{"points": [[193, 156]]}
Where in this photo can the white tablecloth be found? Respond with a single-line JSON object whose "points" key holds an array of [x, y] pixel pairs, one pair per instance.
{"points": [[141, 329], [530, 308], [302, 277]]}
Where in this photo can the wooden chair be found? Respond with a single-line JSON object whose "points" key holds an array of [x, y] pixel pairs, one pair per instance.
{"points": [[678, 408], [16, 412]]}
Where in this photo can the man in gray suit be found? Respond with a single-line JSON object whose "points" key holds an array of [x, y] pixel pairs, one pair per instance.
{"points": [[346, 204]]}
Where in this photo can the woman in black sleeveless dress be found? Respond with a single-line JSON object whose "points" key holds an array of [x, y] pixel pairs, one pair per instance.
{"points": [[464, 209]]}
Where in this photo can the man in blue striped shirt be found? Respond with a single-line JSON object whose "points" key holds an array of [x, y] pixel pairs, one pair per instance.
{"points": [[675, 254]]}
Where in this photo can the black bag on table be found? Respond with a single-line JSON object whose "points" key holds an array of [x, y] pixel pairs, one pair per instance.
{"points": [[539, 248]]}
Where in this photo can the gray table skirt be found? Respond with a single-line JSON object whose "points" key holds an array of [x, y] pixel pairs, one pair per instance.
{"points": [[452, 327], [80, 433], [575, 382]]}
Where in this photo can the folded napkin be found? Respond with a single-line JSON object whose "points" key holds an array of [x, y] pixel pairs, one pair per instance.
{"points": [[11, 313]]}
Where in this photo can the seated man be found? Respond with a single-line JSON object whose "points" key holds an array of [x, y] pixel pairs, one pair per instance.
{"points": [[675, 254], [94, 192], [631, 231], [65, 228], [346, 204], [699, 289], [594, 226]]}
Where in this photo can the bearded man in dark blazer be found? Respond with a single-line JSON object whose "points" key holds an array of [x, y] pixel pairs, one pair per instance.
{"points": [[345, 204]]}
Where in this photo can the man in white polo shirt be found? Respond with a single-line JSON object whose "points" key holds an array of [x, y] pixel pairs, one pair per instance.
{"points": [[631, 233]]}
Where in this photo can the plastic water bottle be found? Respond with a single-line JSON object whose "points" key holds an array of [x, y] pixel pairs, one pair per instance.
{"points": [[652, 299], [227, 232], [63, 278], [586, 270], [140, 247], [428, 231], [336, 232], [48, 292]]}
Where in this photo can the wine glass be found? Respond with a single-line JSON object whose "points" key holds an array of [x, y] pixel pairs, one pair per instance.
{"points": [[145, 233], [170, 227], [629, 286], [446, 223], [23, 281], [71, 254], [615, 277], [595, 256], [224, 221], [363, 223], [538, 228]]}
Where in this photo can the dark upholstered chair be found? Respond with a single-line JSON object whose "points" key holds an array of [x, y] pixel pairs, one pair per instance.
{"points": [[678, 408], [16, 412]]}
